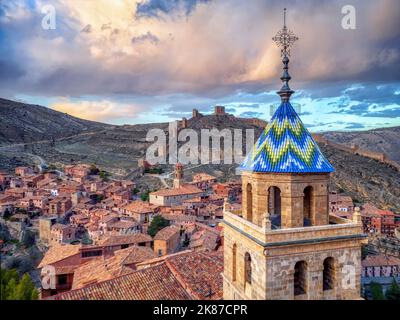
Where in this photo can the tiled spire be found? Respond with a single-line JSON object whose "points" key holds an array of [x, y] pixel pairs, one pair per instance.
{"points": [[286, 145]]}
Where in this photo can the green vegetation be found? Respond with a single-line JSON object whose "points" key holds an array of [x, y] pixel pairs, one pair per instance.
{"points": [[364, 252], [93, 169], [154, 170], [14, 288], [135, 191], [376, 291], [28, 238], [157, 224], [104, 175], [144, 196], [393, 293]]}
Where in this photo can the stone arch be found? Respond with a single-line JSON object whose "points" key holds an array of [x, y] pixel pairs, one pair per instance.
{"points": [[249, 202], [328, 274], [300, 278], [234, 262], [274, 205], [247, 268], [308, 205]]}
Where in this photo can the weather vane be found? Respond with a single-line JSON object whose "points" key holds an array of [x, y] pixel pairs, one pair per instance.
{"points": [[285, 38]]}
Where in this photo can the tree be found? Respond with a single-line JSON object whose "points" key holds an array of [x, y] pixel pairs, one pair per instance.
{"points": [[28, 238], [393, 293], [93, 169], [144, 196], [364, 252], [157, 224], [104, 175], [7, 214], [376, 291], [14, 288]]}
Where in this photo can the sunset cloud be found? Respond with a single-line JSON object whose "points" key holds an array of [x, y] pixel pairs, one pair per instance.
{"points": [[104, 111], [196, 51]]}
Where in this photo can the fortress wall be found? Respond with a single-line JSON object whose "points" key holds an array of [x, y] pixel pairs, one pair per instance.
{"points": [[355, 149]]}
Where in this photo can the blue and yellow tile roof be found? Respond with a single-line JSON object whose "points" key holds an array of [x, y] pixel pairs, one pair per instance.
{"points": [[286, 146]]}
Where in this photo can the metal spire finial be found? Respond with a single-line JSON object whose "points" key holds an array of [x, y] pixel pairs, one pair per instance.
{"points": [[284, 39]]}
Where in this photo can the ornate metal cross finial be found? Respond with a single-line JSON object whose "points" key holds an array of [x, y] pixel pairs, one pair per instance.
{"points": [[284, 39]]}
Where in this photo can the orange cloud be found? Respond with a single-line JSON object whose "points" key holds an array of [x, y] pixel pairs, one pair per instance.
{"points": [[98, 110]]}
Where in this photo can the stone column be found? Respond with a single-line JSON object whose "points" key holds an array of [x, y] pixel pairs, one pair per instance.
{"points": [[315, 285]]}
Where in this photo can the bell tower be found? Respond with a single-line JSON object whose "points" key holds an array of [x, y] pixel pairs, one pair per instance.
{"points": [[283, 244], [178, 175]]}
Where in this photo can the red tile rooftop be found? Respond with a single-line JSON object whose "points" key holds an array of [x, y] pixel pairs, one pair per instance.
{"points": [[154, 283], [140, 207], [166, 233], [184, 276], [183, 190], [380, 260], [59, 252], [126, 239]]}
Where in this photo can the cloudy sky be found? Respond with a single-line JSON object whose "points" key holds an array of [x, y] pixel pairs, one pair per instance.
{"points": [[136, 61]]}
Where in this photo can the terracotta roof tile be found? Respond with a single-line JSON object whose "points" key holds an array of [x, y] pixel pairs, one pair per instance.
{"points": [[166, 233], [185, 189], [58, 253], [154, 283], [380, 260], [126, 239]]}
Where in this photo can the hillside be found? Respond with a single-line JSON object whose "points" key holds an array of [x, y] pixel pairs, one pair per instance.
{"points": [[118, 148], [385, 140], [24, 123]]}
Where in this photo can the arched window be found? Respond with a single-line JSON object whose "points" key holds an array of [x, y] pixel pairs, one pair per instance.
{"points": [[234, 253], [274, 200], [249, 199], [300, 278], [247, 268], [328, 278], [307, 205], [274, 205]]}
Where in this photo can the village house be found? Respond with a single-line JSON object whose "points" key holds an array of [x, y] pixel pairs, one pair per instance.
{"points": [[341, 205], [205, 239], [59, 206], [18, 193], [377, 221], [79, 220], [117, 242], [167, 240], [23, 171], [182, 276], [141, 211], [4, 180], [64, 259], [178, 194], [77, 172], [31, 181], [123, 227], [100, 269], [175, 196], [62, 234], [380, 269], [203, 181]]}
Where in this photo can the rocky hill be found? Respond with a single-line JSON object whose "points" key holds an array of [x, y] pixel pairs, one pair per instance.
{"points": [[118, 148], [385, 140], [24, 123]]}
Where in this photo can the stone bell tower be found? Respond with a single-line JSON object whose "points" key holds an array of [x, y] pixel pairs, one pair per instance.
{"points": [[178, 175], [283, 244]]}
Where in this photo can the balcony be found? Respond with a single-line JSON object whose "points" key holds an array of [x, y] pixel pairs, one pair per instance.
{"points": [[338, 229]]}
